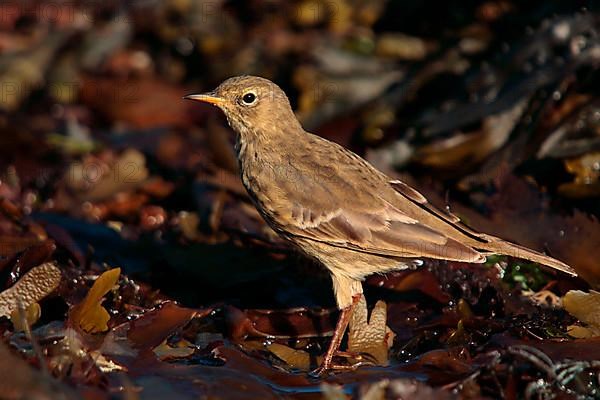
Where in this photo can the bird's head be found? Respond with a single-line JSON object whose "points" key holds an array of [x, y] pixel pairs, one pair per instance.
{"points": [[252, 105]]}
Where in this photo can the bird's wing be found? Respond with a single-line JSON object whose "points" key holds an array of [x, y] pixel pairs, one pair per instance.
{"points": [[429, 209], [382, 232], [348, 203], [367, 222]]}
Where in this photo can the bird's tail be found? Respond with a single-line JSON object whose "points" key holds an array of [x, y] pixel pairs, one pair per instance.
{"points": [[499, 246]]}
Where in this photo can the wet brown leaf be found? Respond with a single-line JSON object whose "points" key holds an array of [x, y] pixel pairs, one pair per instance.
{"points": [[292, 323], [10, 245], [421, 279], [149, 330]]}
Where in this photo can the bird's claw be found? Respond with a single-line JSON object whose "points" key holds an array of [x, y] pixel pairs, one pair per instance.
{"points": [[359, 360], [320, 372]]}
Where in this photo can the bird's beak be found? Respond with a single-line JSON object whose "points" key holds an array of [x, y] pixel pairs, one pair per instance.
{"points": [[206, 98]]}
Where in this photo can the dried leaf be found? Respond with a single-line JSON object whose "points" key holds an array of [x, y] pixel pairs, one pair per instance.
{"points": [[403, 47], [586, 308], [23, 73], [31, 288], [460, 336], [297, 359], [580, 332], [333, 392], [96, 180], [188, 223], [104, 364], [29, 317], [587, 173], [465, 149], [89, 314], [74, 355], [543, 298], [182, 349], [370, 336], [405, 388], [586, 168]]}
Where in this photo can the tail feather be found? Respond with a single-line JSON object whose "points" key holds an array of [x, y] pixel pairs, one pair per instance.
{"points": [[499, 246]]}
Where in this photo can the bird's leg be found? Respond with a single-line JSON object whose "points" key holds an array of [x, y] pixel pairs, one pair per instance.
{"points": [[336, 340]]}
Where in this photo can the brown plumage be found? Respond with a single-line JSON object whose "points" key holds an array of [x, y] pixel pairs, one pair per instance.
{"points": [[334, 205]]}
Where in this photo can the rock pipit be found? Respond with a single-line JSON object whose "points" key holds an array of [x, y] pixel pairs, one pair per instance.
{"points": [[335, 206]]}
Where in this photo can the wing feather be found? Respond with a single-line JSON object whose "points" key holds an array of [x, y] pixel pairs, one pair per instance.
{"points": [[355, 206], [384, 231]]}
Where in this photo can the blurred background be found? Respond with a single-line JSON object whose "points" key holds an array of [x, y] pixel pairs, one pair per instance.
{"points": [[490, 108], [461, 99]]}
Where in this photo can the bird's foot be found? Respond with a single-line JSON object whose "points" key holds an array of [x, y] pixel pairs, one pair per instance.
{"points": [[333, 349], [353, 362], [320, 372], [327, 366], [356, 359]]}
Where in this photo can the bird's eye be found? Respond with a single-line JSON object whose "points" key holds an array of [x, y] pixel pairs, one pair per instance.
{"points": [[249, 99]]}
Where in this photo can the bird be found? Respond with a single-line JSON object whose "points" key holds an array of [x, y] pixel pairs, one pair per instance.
{"points": [[337, 208]]}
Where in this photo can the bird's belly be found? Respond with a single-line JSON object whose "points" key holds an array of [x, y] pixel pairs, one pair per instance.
{"points": [[351, 263], [258, 192]]}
